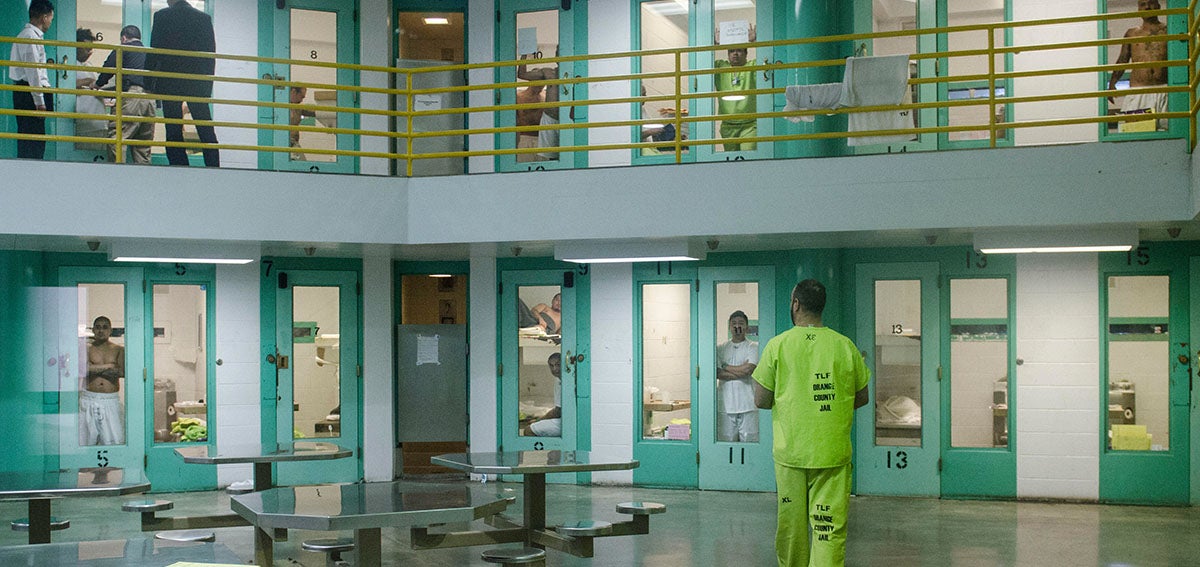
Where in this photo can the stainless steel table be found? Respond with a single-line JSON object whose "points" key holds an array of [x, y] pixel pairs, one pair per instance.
{"points": [[363, 508], [137, 552], [263, 457], [40, 487], [534, 466]]}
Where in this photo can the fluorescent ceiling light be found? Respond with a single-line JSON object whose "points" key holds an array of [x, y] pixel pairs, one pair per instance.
{"points": [[175, 252], [437, 21], [182, 260], [440, 276], [1039, 241], [588, 252]]}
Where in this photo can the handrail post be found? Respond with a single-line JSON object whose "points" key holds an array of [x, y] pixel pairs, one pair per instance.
{"points": [[678, 107], [118, 106], [1191, 46], [991, 86], [408, 170]]}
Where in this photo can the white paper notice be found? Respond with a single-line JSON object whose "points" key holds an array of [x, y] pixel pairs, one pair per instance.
{"points": [[527, 41], [427, 102], [737, 31], [427, 350]]}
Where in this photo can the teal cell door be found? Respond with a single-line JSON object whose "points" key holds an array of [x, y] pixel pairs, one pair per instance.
{"points": [[894, 16], [105, 19], [540, 361], [734, 20], [897, 439], [532, 30], [318, 32], [318, 389], [96, 352], [737, 318], [1146, 381], [181, 370]]}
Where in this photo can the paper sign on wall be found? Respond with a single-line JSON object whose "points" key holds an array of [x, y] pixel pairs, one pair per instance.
{"points": [[427, 102], [527, 41], [427, 350], [737, 31]]}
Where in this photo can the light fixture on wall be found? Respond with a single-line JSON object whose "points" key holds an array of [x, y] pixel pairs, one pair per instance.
{"points": [[1026, 241], [175, 252], [436, 21], [611, 252]]}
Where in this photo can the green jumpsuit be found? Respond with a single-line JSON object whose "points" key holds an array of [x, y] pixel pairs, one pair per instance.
{"points": [[814, 373], [731, 81]]}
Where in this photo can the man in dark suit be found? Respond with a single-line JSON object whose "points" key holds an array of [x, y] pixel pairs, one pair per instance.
{"points": [[180, 26]]}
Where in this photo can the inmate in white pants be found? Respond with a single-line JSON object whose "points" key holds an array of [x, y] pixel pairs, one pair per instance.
{"points": [[742, 427], [101, 421]]}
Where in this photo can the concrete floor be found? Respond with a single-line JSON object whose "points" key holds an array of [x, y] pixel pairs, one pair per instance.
{"points": [[737, 529]]}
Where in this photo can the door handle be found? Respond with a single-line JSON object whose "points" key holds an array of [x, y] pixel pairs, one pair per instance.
{"points": [[64, 76], [283, 362]]}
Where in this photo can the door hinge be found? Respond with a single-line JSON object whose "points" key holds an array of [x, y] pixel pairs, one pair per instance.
{"points": [[697, 285], [499, 285], [497, 16], [500, 369], [143, 375], [697, 372], [145, 462], [697, 457], [939, 374], [355, 16], [939, 465], [358, 370], [358, 288], [143, 286]]}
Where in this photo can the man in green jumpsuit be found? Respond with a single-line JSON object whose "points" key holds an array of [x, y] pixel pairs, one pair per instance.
{"points": [[813, 379], [731, 81]]}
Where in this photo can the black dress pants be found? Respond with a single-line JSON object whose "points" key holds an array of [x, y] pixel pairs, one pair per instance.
{"points": [[31, 149], [200, 111]]}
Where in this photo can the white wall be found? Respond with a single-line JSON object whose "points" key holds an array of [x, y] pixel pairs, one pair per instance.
{"points": [[236, 27], [612, 367], [1057, 389], [1057, 59], [238, 393], [613, 18], [482, 396], [378, 391], [481, 48]]}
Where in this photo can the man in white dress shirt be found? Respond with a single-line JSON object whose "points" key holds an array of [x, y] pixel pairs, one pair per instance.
{"points": [[41, 14], [737, 416]]}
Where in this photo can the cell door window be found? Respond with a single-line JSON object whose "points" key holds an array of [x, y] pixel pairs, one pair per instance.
{"points": [[734, 22], [664, 25], [1150, 77], [898, 363], [313, 38], [316, 362], [104, 20], [537, 37], [737, 351], [959, 15], [667, 368], [1138, 391], [180, 351], [979, 362], [539, 352], [102, 389]]}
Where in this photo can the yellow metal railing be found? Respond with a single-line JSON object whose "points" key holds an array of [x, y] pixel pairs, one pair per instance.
{"points": [[402, 140]]}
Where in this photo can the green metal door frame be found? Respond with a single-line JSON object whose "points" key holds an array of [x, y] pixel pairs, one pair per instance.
{"points": [[895, 470], [164, 467], [346, 274], [702, 34], [664, 463], [726, 465], [1194, 308], [572, 40], [970, 472], [1176, 76], [943, 89], [576, 374], [137, 435], [1162, 476]]}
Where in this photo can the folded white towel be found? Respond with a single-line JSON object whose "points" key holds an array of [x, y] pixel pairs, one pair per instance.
{"points": [[878, 81], [809, 97]]}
